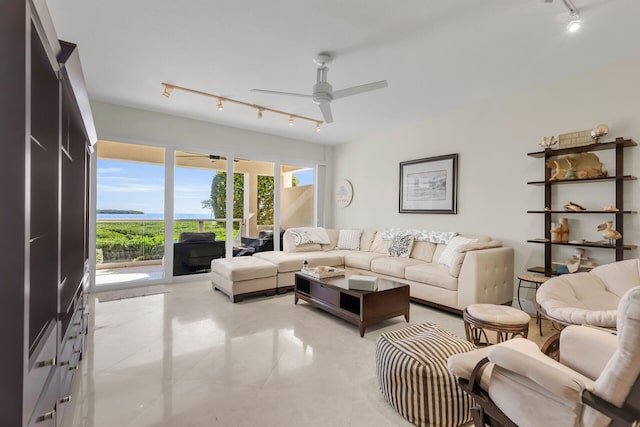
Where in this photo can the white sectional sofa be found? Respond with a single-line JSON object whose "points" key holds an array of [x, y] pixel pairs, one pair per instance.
{"points": [[478, 272]]}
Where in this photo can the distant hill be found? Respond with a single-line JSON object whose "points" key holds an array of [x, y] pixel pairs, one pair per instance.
{"points": [[117, 211]]}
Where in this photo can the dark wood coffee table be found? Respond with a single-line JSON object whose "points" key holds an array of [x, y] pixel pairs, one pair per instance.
{"points": [[362, 308]]}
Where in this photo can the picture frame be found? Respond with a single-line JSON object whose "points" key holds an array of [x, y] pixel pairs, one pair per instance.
{"points": [[429, 185]]}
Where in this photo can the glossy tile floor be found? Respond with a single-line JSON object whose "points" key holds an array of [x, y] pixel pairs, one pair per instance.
{"points": [[190, 357]]}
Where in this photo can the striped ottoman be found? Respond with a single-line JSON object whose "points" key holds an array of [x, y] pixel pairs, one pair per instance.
{"points": [[411, 364]]}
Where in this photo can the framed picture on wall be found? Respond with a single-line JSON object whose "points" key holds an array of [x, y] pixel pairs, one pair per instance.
{"points": [[429, 185]]}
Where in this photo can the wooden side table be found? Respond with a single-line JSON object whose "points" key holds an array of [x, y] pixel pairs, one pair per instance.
{"points": [[536, 280]]}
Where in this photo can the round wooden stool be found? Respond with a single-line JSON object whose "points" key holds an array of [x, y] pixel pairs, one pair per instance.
{"points": [[507, 322], [536, 280]]}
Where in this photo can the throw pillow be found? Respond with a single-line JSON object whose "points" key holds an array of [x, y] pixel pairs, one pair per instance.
{"points": [[449, 254], [401, 245], [349, 239]]}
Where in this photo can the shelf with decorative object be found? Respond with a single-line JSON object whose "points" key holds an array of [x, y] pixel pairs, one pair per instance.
{"points": [[618, 178]]}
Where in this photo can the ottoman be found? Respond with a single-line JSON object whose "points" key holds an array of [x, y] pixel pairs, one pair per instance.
{"points": [[243, 276], [411, 364], [506, 322]]}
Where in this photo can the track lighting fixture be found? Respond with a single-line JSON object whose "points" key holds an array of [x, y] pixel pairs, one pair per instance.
{"points": [[168, 88], [167, 91]]}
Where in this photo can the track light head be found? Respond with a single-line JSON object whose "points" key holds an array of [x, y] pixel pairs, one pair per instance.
{"points": [[318, 127], [220, 106], [260, 110], [290, 120], [167, 91], [574, 22]]}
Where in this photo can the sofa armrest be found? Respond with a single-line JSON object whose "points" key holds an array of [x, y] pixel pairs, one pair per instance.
{"points": [[486, 277]]}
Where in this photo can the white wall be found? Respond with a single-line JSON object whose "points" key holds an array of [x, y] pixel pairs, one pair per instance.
{"points": [[492, 140]]}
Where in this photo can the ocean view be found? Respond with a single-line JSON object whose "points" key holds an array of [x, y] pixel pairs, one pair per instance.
{"points": [[153, 216]]}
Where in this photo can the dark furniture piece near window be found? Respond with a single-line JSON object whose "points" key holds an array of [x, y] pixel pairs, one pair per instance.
{"points": [[194, 251]]}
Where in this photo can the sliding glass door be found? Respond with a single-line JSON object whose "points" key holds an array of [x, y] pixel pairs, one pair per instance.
{"points": [[129, 213]]}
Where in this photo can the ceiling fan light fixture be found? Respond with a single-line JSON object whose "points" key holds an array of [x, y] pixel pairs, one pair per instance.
{"points": [[574, 22], [220, 106]]}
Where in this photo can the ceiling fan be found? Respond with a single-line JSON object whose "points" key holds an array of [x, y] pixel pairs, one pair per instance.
{"points": [[323, 92], [211, 157]]}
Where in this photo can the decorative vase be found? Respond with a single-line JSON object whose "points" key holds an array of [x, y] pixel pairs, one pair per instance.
{"points": [[564, 230], [556, 232]]}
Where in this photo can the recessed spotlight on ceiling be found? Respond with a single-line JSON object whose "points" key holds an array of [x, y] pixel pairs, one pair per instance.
{"points": [[574, 22]]}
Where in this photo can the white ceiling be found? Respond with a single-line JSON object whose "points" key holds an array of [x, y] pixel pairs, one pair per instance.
{"points": [[437, 55]]}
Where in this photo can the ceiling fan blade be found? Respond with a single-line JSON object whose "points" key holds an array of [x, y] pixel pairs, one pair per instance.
{"points": [[337, 94], [275, 92], [326, 112]]}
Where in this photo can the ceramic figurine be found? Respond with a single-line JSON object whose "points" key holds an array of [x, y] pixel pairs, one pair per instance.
{"points": [[573, 207], [547, 142], [599, 131], [610, 208], [608, 232]]}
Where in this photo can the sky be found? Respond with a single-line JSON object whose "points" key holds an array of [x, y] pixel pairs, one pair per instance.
{"points": [[140, 186]]}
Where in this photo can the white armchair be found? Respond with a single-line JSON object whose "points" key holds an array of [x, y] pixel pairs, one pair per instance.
{"points": [[595, 383]]}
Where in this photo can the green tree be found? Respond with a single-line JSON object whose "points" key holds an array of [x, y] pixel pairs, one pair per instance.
{"points": [[218, 200], [265, 200]]}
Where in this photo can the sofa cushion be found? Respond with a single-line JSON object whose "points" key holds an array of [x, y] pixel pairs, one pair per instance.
{"points": [[188, 236], [333, 240], [361, 260], [366, 239], [401, 245], [380, 245], [349, 239], [432, 274], [448, 255], [392, 266], [423, 251], [287, 262]]}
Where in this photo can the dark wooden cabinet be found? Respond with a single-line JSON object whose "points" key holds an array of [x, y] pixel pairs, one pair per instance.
{"points": [[46, 138], [617, 179]]}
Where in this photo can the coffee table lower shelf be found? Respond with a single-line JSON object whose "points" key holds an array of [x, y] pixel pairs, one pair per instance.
{"points": [[362, 308]]}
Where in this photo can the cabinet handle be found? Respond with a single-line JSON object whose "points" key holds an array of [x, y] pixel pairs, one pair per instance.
{"points": [[65, 399], [73, 368], [77, 324], [44, 363], [77, 351], [73, 337], [65, 363], [47, 416]]}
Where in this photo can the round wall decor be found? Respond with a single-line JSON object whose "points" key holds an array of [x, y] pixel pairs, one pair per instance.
{"points": [[344, 193]]}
